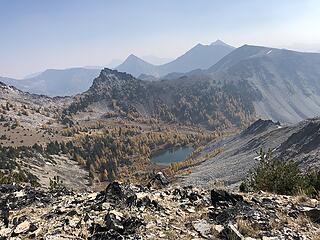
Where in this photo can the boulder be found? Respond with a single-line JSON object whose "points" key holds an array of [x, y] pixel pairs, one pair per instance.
{"points": [[231, 232], [22, 228], [131, 225], [202, 227], [9, 188], [108, 235], [159, 180], [113, 220], [147, 202], [313, 214], [131, 200], [114, 189], [113, 192], [221, 197], [4, 214]]}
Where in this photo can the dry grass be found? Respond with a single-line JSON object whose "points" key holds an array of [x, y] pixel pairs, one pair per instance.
{"points": [[316, 236], [302, 197], [301, 223], [246, 229]]}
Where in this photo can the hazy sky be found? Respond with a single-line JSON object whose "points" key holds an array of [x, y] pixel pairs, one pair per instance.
{"points": [[40, 34]]}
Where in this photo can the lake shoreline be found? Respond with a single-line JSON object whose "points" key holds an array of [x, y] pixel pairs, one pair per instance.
{"points": [[166, 156]]}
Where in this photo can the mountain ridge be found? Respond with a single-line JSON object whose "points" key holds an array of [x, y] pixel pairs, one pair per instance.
{"points": [[198, 57], [171, 100], [287, 80], [56, 82]]}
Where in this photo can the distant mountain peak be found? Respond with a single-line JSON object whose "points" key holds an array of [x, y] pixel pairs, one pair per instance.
{"points": [[201, 56], [218, 42], [199, 45], [134, 58], [135, 65]]}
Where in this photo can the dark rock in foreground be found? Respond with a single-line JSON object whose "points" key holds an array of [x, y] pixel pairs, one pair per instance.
{"points": [[173, 212]]}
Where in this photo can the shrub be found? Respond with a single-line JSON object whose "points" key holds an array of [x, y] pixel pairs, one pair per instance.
{"points": [[18, 176], [312, 182], [281, 177], [244, 187], [56, 184]]}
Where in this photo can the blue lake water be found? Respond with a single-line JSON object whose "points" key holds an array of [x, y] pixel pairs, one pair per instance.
{"points": [[171, 155]]}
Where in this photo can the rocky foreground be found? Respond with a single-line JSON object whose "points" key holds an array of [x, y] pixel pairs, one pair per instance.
{"points": [[138, 212]]}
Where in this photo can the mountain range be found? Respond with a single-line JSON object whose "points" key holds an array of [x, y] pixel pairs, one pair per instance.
{"points": [[199, 57], [250, 81], [56, 82], [71, 81], [288, 81]]}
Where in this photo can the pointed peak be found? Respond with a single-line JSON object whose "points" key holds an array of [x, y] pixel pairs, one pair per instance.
{"points": [[132, 56], [219, 42], [199, 45]]}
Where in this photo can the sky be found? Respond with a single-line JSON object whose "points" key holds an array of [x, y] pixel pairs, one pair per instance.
{"points": [[39, 34]]}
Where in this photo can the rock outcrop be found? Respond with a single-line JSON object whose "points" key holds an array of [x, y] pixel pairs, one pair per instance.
{"points": [[136, 212]]}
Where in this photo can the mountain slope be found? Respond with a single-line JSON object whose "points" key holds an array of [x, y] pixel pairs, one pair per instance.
{"points": [[288, 81], [137, 66], [299, 142], [196, 100], [27, 113], [54, 82], [199, 57]]}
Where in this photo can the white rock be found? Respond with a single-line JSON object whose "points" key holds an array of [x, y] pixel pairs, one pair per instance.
{"points": [[118, 215], [218, 228], [202, 227], [5, 232], [92, 196], [191, 210], [22, 227], [105, 206], [20, 194]]}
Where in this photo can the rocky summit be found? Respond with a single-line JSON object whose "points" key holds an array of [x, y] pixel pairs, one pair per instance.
{"points": [[124, 211]]}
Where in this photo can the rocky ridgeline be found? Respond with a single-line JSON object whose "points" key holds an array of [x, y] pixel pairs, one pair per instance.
{"points": [[139, 212]]}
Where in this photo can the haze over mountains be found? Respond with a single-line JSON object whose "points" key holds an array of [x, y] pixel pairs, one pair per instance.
{"points": [[56, 82], [59, 82], [287, 80], [71, 81], [198, 57], [270, 83], [283, 83]]}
